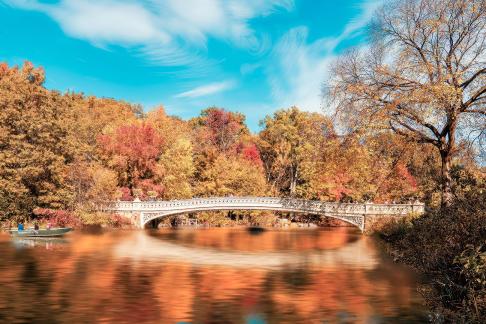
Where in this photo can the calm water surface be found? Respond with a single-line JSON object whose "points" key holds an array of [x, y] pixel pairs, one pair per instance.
{"points": [[205, 276]]}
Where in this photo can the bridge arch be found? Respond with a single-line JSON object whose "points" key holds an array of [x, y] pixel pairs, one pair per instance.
{"points": [[147, 217]]}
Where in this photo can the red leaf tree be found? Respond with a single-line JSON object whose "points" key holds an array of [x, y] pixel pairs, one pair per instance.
{"points": [[224, 127], [134, 151]]}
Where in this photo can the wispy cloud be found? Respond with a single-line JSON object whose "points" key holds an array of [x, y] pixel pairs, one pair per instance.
{"points": [[176, 32], [207, 89], [297, 68], [167, 32]]}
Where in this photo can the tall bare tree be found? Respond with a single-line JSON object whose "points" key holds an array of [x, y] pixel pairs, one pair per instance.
{"points": [[423, 75]]}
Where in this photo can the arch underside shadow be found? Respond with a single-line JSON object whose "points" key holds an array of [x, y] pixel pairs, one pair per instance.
{"points": [[353, 219]]}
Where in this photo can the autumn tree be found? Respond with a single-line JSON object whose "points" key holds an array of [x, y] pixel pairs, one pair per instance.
{"points": [[171, 128], [133, 151], [289, 145], [176, 170], [221, 128], [249, 151], [175, 167], [424, 75], [35, 127], [97, 116], [214, 133], [364, 167], [92, 185], [232, 176], [343, 171]]}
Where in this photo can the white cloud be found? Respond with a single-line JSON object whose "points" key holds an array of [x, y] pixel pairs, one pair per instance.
{"points": [[207, 89], [168, 32], [102, 22], [175, 33], [108, 22], [297, 69]]}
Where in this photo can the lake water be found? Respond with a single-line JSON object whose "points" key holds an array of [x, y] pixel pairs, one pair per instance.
{"points": [[213, 275]]}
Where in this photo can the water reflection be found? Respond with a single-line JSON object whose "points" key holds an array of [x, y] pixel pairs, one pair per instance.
{"points": [[204, 276], [144, 247], [47, 243]]}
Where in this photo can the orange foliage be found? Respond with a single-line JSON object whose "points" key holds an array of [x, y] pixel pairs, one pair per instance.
{"points": [[133, 150]]}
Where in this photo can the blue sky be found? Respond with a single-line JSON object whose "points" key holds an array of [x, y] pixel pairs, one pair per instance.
{"points": [[251, 56]]}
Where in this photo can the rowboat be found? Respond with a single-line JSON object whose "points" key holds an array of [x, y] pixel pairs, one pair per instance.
{"points": [[53, 232]]}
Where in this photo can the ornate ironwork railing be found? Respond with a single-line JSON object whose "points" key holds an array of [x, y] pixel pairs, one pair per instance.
{"points": [[281, 203]]}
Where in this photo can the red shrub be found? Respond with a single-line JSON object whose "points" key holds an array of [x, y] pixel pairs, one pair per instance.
{"points": [[59, 218], [126, 194], [117, 220]]}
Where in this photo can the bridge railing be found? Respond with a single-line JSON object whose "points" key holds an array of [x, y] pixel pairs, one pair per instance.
{"points": [[270, 202]]}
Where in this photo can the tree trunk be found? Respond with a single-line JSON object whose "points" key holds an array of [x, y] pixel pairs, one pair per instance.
{"points": [[293, 181], [446, 195]]}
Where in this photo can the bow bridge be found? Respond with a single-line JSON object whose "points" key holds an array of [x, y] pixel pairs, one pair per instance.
{"points": [[355, 214]]}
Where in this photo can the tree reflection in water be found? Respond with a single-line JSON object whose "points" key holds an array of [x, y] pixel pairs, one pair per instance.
{"points": [[306, 276]]}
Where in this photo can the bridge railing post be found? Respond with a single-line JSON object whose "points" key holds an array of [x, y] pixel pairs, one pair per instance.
{"points": [[418, 207], [141, 220]]}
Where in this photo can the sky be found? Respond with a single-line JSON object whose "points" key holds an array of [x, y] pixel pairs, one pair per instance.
{"points": [[250, 56]]}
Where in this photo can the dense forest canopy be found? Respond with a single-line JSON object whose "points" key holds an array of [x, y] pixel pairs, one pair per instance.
{"points": [[72, 152]]}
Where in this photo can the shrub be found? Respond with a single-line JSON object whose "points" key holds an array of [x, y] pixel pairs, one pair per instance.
{"points": [[138, 193], [116, 220], [60, 218], [472, 265], [394, 228], [100, 218], [93, 218], [263, 219], [124, 194], [448, 246], [217, 218]]}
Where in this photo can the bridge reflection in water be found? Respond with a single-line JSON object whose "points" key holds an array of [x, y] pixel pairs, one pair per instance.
{"points": [[206, 276], [142, 247]]}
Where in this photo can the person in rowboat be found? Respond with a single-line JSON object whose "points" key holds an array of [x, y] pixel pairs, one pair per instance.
{"points": [[20, 227]]}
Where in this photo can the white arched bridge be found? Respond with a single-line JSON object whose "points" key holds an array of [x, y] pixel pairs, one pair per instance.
{"points": [[352, 213]]}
